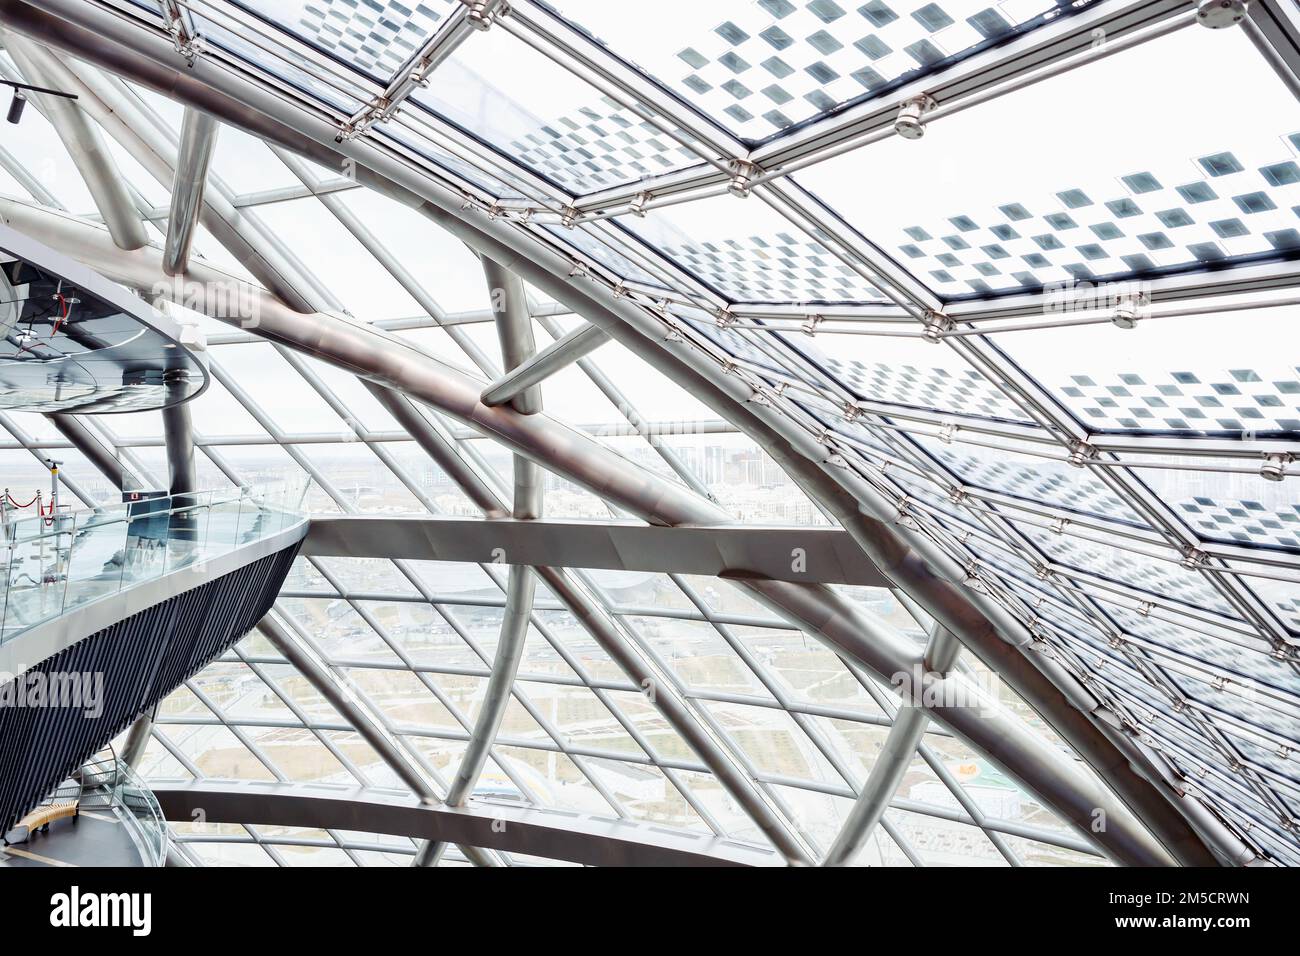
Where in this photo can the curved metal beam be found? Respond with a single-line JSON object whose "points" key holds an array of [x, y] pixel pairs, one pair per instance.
{"points": [[577, 838], [84, 145], [893, 760], [198, 139], [515, 332]]}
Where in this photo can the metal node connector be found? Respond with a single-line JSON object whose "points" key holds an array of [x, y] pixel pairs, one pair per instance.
{"points": [[1080, 453], [936, 323], [1218, 14], [637, 208], [1274, 467], [909, 123], [1128, 309], [482, 13], [742, 178]]}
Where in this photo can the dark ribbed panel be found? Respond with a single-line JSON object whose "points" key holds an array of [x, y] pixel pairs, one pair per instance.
{"points": [[142, 659]]}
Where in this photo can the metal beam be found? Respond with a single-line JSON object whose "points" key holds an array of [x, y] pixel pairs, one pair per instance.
{"points": [[178, 433], [108, 464], [137, 741], [893, 760], [515, 333], [198, 139], [559, 354], [823, 555], [597, 622], [239, 233], [514, 330], [510, 828], [824, 614], [1274, 28], [317, 673], [84, 144]]}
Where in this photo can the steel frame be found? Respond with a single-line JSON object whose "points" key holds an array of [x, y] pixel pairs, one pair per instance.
{"points": [[1054, 421]]}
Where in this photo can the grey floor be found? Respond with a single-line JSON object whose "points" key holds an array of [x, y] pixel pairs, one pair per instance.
{"points": [[95, 838]]}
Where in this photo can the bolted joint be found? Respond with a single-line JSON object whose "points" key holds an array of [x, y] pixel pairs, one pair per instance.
{"points": [[1080, 453], [1128, 309], [1274, 467], [936, 323], [810, 324], [483, 13], [724, 318], [971, 578], [909, 123], [1218, 14], [637, 208], [742, 177], [1193, 558]]}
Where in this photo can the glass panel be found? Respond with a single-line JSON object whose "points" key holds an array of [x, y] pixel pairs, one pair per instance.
{"points": [[904, 371], [1238, 508], [760, 67], [1031, 478], [749, 252], [552, 122], [1197, 181], [1232, 375], [376, 38]]}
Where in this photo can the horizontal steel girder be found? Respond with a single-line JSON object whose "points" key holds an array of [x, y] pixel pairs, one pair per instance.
{"points": [[553, 835], [805, 555]]}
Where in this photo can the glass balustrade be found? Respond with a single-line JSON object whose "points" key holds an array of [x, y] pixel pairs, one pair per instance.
{"points": [[50, 564]]}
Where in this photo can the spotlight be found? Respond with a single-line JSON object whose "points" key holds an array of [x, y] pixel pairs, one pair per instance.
{"points": [[16, 106], [19, 102]]}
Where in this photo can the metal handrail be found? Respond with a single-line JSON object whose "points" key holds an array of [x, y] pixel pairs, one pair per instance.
{"points": [[113, 785]]}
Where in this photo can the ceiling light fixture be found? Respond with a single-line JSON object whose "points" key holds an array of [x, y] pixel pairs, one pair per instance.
{"points": [[19, 102]]}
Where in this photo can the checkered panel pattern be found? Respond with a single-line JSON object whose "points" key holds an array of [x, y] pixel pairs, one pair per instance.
{"points": [[966, 392], [592, 148], [779, 62], [1058, 485], [1243, 522], [1289, 611], [1131, 569], [377, 36], [1204, 210], [779, 268], [1235, 400]]}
